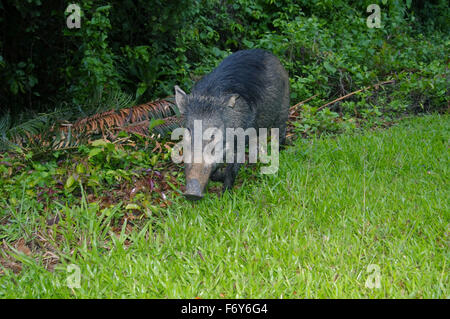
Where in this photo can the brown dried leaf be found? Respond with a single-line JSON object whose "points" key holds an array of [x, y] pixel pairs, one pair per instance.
{"points": [[22, 247]]}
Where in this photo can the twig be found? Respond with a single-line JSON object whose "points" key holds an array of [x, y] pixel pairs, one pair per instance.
{"points": [[353, 93], [303, 102]]}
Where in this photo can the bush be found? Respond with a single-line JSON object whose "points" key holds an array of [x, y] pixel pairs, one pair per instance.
{"points": [[145, 50]]}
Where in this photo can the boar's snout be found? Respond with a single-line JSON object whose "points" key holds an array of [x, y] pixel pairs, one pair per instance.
{"points": [[193, 190], [197, 176]]}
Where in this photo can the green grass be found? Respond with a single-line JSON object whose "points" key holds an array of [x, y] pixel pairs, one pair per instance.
{"points": [[336, 206]]}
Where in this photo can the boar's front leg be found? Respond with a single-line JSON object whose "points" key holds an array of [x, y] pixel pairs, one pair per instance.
{"points": [[230, 174], [218, 175]]}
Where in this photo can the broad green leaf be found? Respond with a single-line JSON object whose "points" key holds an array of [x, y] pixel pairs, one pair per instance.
{"points": [[69, 182]]}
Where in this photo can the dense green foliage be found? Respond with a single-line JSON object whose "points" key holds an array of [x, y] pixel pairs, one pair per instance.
{"points": [[143, 48], [336, 206]]}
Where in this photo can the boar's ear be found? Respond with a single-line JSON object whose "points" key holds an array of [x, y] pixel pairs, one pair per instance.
{"points": [[180, 98], [232, 100]]}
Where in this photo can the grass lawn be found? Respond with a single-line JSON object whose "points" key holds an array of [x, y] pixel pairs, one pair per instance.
{"points": [[355, 216]]}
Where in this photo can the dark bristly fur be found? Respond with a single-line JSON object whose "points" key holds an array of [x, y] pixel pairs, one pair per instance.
{"points": [[260, 85], [241, 73]]}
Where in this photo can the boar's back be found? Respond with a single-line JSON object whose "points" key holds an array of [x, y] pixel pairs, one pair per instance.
{"points": [[243, 72]]}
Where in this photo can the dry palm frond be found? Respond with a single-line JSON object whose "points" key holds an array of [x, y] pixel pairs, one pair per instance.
{"points": [[98, 123], [142, 128], [40, 133], [137, 119]]}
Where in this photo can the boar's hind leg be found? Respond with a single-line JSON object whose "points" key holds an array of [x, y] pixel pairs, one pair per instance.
{"points": [[231, 172]]}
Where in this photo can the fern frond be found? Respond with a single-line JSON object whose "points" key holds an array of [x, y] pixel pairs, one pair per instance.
{"points": [[5, 122]]}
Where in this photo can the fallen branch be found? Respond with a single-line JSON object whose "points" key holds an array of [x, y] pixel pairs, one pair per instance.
{"points": [[353, 93], [303, 102]]}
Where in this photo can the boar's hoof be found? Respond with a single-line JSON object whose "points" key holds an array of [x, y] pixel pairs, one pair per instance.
{"points": [[193, 196], [193, 190]]}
